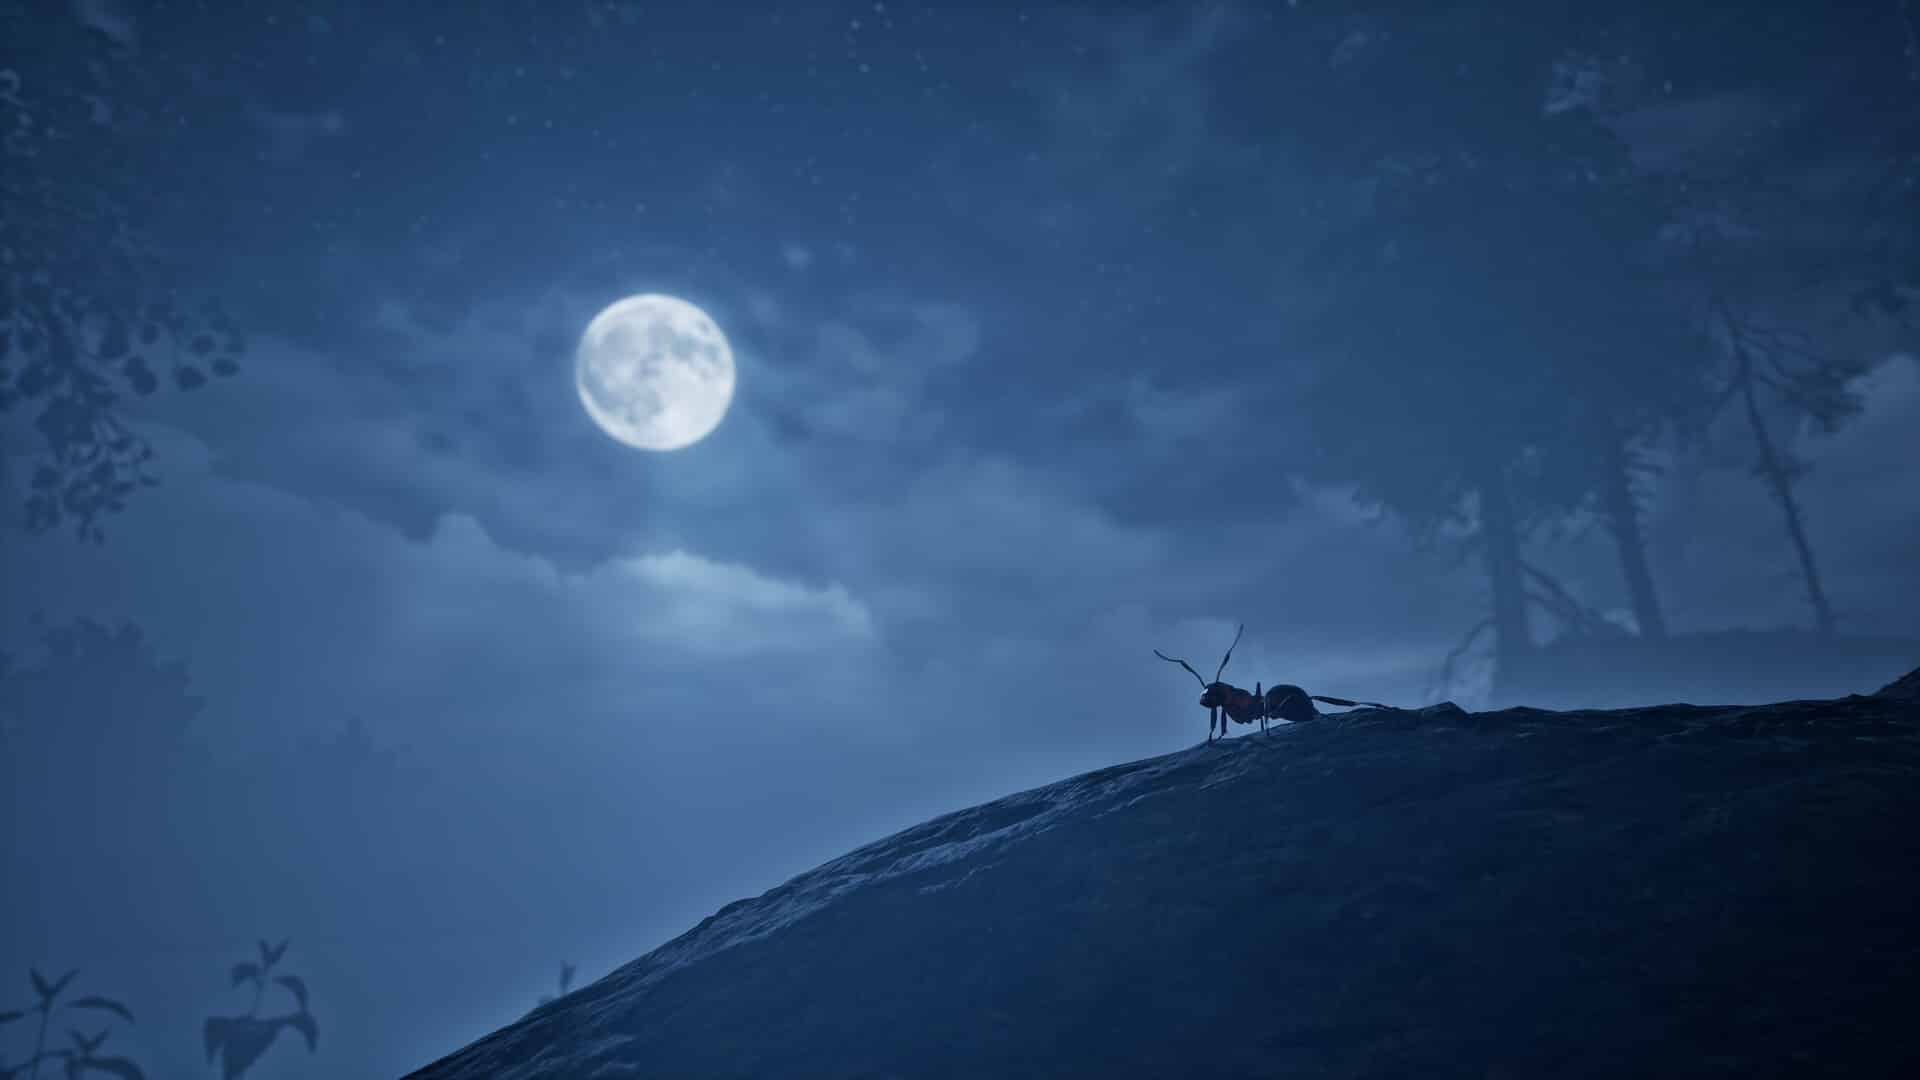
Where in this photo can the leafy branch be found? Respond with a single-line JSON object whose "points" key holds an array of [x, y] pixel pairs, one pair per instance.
{"points": [[84, 316], [238, 1042], [83, 1055]]}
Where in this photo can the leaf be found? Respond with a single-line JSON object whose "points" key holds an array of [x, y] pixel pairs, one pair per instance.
{"points": [[239, 1041], [303, 1023], [141, 376], [298, 986], [113, 1066], [10, 1015], [39, 984], [105, 1005], [266, 955], [114, 344], [281, 950], [51, 992], [244, 972], [188, 378]]}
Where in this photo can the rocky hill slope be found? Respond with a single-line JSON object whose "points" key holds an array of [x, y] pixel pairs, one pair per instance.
{"points": [[1671, 891]]}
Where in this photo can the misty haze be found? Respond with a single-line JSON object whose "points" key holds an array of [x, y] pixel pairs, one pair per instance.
{"points": [[941, 539]]}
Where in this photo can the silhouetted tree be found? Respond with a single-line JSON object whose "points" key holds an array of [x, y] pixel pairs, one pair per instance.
{"points": [[1809, 222], [1500, 351], [1818, 206], [1631, 376], [95, 744], [1811, 387], [1781, 236], [1495, 360], [96, 691]]}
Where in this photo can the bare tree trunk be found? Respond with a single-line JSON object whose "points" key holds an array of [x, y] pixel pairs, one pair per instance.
{"points": [[1501, 538], [1624, 519], [1774, 471]]}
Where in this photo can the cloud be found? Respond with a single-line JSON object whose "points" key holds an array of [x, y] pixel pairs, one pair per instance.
{"points": [[1675, 134], [110, 19], [290, 135], [302, 610], [865, 372], [729, 609], [1138, 115], [980, 525]]}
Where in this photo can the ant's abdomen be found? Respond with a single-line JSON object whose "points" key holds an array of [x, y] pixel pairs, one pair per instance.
{"points": [[1290, 703]]}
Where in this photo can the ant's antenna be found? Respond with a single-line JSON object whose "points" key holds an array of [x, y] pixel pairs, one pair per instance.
{"points": [[1230, 648], [1182, 663]]}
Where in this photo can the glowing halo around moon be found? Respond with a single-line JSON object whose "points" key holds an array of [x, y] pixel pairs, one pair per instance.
{"points": [[654, 372]]}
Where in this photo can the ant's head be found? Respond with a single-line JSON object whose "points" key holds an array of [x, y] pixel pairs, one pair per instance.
{"points": [[1215, 694]]}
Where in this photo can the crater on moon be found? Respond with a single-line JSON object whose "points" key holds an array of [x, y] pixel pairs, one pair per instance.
{"points": [[654, 372]]}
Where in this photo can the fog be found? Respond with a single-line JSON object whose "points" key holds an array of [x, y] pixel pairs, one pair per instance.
{"points": [[1062, 335]]}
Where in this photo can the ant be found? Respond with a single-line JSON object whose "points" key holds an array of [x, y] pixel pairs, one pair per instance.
{"points": [[1285, 702]]}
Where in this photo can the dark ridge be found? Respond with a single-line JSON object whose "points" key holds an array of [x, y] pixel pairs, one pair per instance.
{"points": [[1675, 890], [1905, 688]]}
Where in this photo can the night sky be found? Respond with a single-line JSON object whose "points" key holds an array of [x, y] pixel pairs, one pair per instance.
{"points": [[1024, 314]]}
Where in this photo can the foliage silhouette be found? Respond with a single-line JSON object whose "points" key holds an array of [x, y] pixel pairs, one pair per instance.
{"points": [[95, 685], [82, 1056], [1774, 262], [352, 755], [238, 1042], [84, 319], [1499, 357], [1652, 291], [1740, 277], [1464, 399]]}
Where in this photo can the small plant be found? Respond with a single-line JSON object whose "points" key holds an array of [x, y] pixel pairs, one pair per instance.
{"points": [[566, 983], [239, 1041], [83, 1056]]}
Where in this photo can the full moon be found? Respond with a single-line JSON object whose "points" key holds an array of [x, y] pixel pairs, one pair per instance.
{"points": [[654, 372]]}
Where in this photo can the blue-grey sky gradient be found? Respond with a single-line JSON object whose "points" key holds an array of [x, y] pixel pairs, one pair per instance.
{"points": [[1013, 295]]}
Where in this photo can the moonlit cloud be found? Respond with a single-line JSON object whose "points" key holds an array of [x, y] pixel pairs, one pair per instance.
{"points": [[731, 609]]}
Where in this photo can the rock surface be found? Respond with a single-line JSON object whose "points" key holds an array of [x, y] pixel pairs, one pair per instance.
{"points": [[1905, 688], [1674, 891]]}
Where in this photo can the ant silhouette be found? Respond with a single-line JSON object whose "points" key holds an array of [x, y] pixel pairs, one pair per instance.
{"points": [[1224, 701]]}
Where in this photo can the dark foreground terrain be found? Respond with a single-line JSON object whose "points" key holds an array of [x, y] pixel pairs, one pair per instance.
{"points": [[1671, 891]]}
